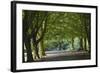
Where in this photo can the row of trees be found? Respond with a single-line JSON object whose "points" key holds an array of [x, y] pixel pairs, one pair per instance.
{"points": [[39, 27], [34, 27], [68, 26]]}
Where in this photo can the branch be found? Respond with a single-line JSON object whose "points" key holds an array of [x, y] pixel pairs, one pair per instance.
{"points": [[43, 32]]}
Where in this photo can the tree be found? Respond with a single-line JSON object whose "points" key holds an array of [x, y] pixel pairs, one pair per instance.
{"points": [[27, 21], [34, 22]]}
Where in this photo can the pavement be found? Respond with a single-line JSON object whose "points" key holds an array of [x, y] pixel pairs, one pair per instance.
{"points": [[65, 56]]}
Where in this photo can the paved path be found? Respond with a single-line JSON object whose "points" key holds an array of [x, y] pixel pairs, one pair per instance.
{"points": [[65, 55]]}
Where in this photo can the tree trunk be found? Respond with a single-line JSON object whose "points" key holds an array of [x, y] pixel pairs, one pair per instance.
{"points": [[72, 43], [81, 43], [85, 46], [60, 47], [24, 51], [89, 43], [37, 50], [29, 51], [41, 48]]}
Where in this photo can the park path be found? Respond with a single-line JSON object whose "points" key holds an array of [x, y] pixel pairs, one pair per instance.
{"points": [[65, 55]]}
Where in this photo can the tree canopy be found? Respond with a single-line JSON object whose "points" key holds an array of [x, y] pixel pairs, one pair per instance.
{"points": [[43, 28]]}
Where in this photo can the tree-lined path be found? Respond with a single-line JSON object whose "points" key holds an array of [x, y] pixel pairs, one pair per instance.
{"points": [[49, 36]]}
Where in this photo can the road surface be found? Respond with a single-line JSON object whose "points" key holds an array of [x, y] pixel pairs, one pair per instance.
{"points": [[65, 56]]}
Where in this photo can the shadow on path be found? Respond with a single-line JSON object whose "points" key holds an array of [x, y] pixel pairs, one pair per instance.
{"points": [[65, 56]]}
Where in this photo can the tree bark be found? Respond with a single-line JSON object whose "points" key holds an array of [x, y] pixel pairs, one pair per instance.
{"points": [[85, 46], [23, 51], [29, 51], [72, 43], [36, 50], [81, 43], [41, 48]]}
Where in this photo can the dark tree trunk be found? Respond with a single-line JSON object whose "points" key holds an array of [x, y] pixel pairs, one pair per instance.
{"points": [[85, 46], [23, 51], [37, 51], [60, 47], [89, 41], [81, 43], [88, 30], [89, 44], [73, 43], [29, 51]]}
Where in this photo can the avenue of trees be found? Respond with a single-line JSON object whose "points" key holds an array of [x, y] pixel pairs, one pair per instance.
{"points": [[43, 29]]}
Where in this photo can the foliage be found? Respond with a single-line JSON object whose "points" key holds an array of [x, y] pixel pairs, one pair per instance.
{"points": [[55, 29]]}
